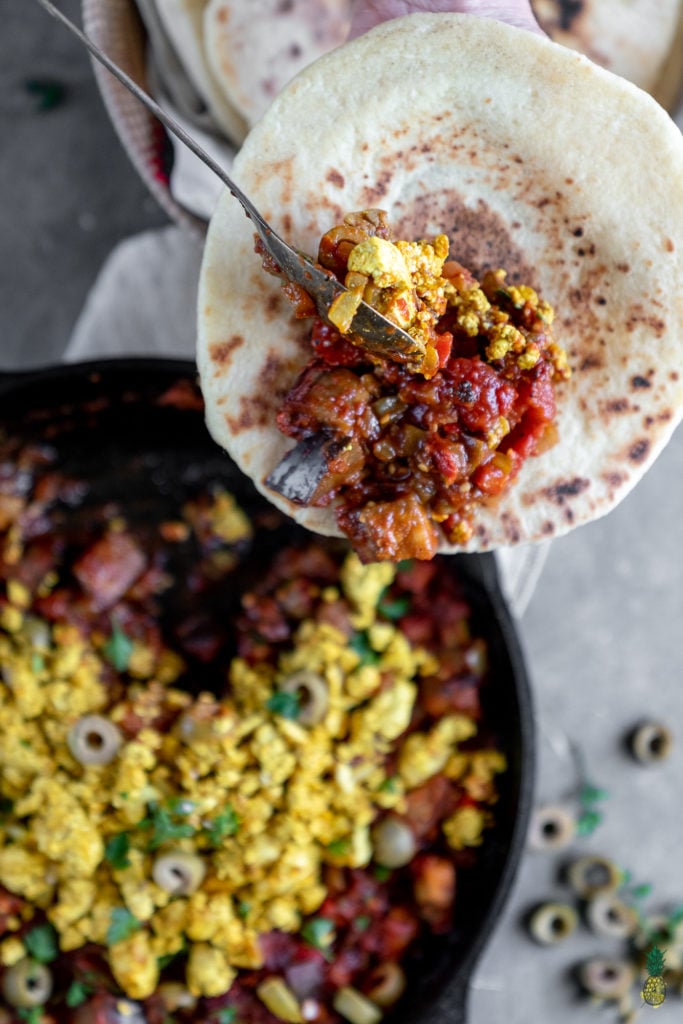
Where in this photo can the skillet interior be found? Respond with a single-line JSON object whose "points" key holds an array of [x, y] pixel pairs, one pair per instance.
{"points": [[111, 426]]}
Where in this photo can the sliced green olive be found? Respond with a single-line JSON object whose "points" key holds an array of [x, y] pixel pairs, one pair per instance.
{"points": [[591, 875], [94, 739], [26, 984], [176, 996], [355, 1007], [393, 842], [651, 742], [608, 915], [552, 828], [313, 692], [179, 872], [387, 984], [552, 922], [607, 979]]}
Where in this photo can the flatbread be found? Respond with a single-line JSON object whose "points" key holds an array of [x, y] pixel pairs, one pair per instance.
{"points": [[638, 39], [529, 157], [183, 21], [255, 48]]}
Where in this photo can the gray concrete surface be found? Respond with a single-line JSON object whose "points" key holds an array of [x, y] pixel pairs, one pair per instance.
{"points": [[67, 190], [602, 631]]}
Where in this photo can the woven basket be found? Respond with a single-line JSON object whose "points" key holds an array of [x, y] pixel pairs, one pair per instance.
{"points": [[116, 27]]}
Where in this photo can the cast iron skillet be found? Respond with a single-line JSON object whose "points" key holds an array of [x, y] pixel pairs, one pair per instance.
{"points": [[112, 426]]}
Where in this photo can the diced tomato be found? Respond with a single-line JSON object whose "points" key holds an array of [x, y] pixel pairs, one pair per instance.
{"points": [[481, 396], [443, 346], [331, 346]]}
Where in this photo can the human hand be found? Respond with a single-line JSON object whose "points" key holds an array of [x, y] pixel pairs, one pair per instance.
{"points": [[368, 13]]}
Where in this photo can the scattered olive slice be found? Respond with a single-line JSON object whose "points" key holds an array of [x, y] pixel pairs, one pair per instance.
{"points": [[179, 872], [387, 984], [355, 1007], [592, 875], [94, 739], [552, 922], [607, 979], [393, 842], [608, 915], [651, 742], [26, 984], [552, 828], [314, 694]]}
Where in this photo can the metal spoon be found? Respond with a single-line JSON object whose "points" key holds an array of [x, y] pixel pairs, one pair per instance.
{"points": [[379, 333]]}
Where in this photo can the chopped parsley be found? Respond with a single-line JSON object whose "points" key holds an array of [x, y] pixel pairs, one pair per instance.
{"points": [[287, 705], [122, 924], [362, 923], [390, 785], [116, 851], [226, 1015], [41, 943], [360, 644], [339, 846], [118, 648], [382, 874], [165, 828], [319, 933], [77, 993], [393, 608], [243, 909], [37, 662], [226, 824], [31, 1014]]}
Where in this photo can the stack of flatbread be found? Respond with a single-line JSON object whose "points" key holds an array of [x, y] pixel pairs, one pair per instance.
{"points": [[641, 40], [238, 54]]}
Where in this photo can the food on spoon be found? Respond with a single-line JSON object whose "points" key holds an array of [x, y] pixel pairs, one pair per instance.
{"points": [[423, 439], [492, 155], [231, 788]]}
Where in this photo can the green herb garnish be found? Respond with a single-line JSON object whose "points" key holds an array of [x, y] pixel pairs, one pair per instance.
{"points": [[77, 993], [116, 851], [164, 826], [226, 824], [287, 705], [394, 609], [226, 1015], [47, 91], [382, 874], [122, 925], [41, 943], [243, 909], [360, 644], [338, 847], [31, 1014], [319, 933], [587, 822], [389, 785], [362, 923], [37, 662], [118, 648]]}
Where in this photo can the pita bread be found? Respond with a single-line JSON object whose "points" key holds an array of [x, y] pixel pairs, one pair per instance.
{"points": [[254, 49], [529, 157], [183, 21], [637, 39]]}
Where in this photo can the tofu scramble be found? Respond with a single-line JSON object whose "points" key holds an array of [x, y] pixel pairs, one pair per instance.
{"points": [[268, 847], [425, 437]]}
